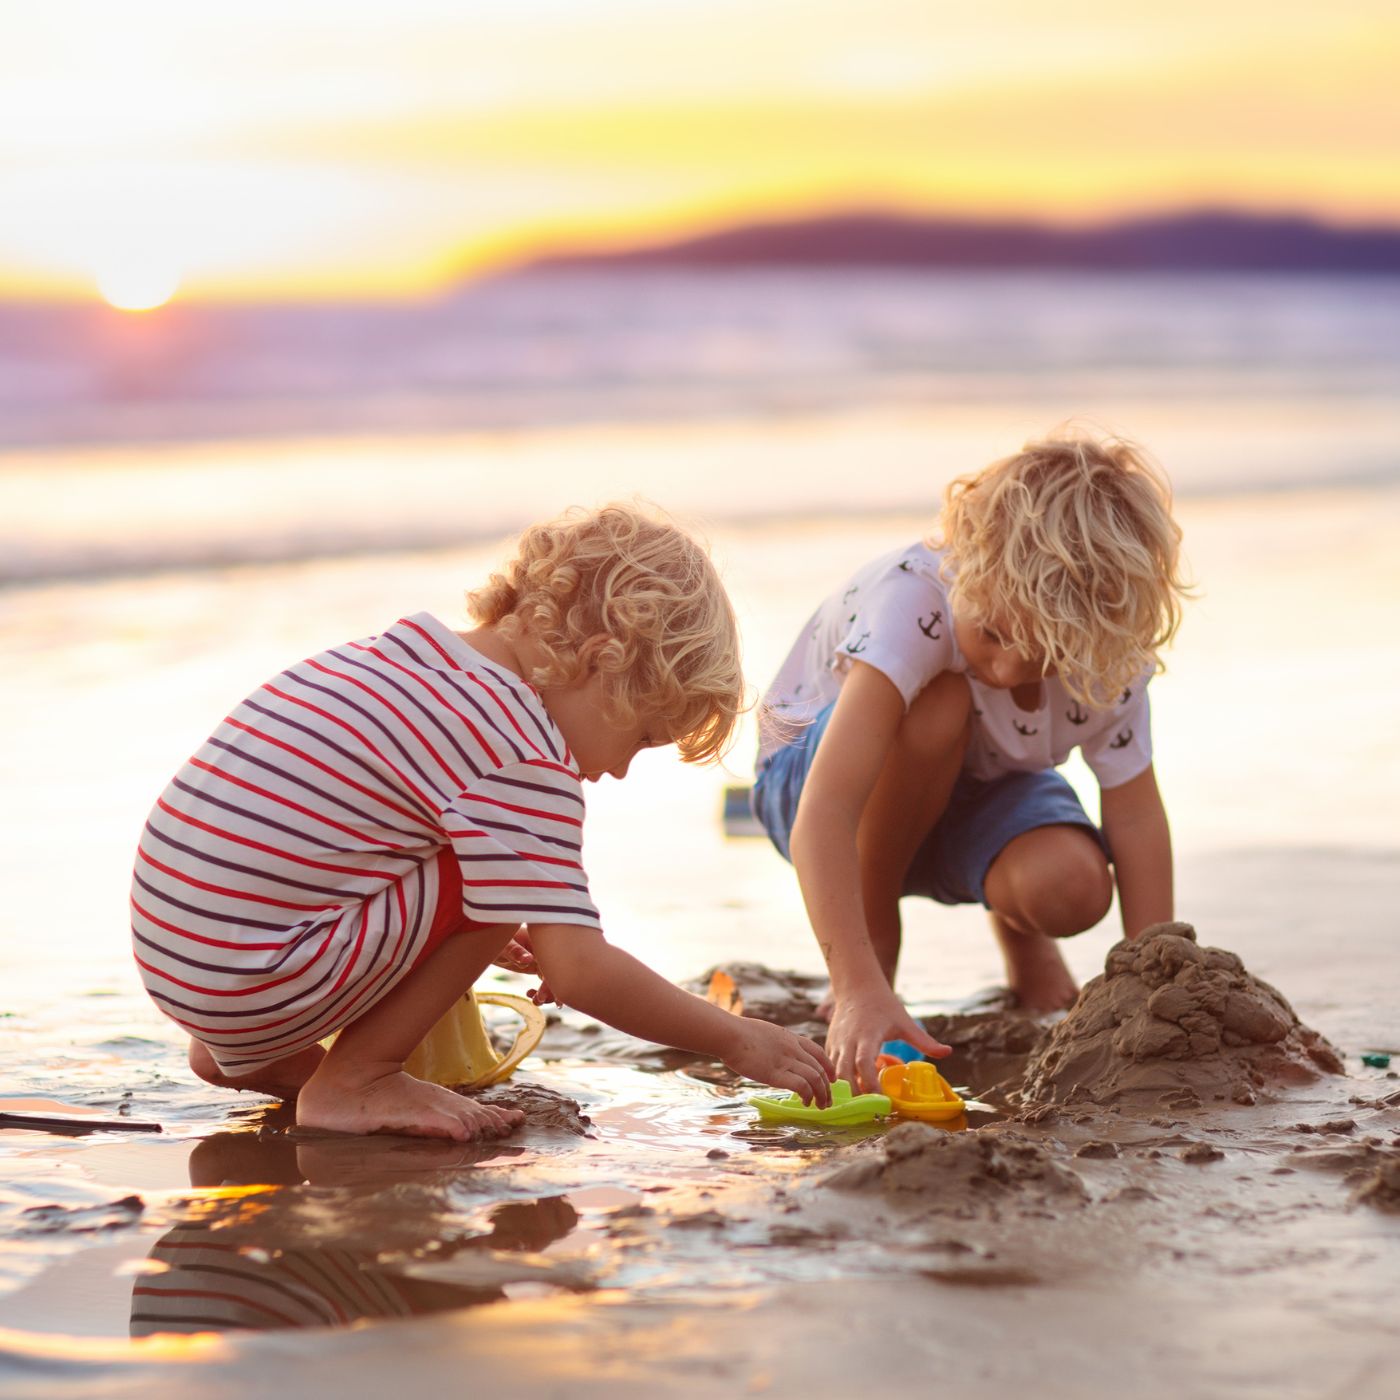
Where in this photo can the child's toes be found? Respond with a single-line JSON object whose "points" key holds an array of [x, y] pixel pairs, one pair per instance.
{"points": [[485, 1121]]}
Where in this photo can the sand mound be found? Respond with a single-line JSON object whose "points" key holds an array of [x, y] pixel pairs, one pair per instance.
{"points": [[923, 1168], [1168, 1017]]}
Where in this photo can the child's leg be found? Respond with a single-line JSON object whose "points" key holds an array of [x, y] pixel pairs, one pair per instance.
{"points": [[361, 1087], [1048, 883], [282, 1079], [910, 796]]}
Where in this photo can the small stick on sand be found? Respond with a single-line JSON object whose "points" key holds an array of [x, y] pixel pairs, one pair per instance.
{"points": [[75, 1126]]}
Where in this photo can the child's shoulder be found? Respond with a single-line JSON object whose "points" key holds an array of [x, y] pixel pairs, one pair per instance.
{"points": [[425, 641], [894, 615], [430, 679], [918, 565]]}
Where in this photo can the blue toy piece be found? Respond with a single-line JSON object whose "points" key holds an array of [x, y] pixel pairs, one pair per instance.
{"points": [[902, 1050]]}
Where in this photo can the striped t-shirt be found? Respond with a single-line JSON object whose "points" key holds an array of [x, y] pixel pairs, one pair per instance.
{"points": [[288, 876]]}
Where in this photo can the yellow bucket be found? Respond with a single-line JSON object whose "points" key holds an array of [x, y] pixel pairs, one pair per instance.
{"points": [[457, 1051]]}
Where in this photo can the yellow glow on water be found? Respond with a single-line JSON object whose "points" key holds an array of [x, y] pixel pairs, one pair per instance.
{"points": [[166, 1346], [138, 284]]}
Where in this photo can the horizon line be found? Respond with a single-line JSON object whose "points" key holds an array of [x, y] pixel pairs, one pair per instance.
{"points": [[548, 252]]}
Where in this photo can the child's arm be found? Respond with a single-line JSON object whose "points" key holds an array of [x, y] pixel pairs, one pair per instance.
{"points": [[586, 972], [825, 855], [1135, 823]]}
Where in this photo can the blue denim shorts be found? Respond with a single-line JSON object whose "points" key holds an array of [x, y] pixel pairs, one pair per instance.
{"points": [[982, 818]]}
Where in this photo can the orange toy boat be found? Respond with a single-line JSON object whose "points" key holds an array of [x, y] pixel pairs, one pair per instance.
{"points": [[917, 1090]]}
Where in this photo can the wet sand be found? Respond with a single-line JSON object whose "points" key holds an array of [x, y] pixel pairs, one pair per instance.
{"points": [[643, 1233], [1070, 1242]]}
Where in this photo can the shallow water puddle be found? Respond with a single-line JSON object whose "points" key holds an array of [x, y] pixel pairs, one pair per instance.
{"points": [[256, 1226]]}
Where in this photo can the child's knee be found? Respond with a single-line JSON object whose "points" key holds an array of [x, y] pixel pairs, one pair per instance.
{"points": [[482, 940], [1061, 886], [202, 1062], [1080, 892]]}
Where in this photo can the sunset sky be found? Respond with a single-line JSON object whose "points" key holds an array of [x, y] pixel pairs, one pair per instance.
{"points": [[333, 147]]}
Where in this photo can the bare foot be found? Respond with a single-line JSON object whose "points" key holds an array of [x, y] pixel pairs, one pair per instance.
{"points": [[1035, 970], [1038, 977], [395, 1102], [282, 1078]]}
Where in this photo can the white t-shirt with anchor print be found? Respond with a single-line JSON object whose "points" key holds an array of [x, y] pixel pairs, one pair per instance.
{"points": [[893, 614]]}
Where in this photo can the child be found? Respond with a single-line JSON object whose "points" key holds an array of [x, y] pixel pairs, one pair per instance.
{"points": [[366, 833], [910, 741]]}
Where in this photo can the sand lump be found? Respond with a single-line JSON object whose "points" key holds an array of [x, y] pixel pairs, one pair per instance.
{"points": [[542, 1107], [923, 1168], [1170, 1018], [1382, 1188]]}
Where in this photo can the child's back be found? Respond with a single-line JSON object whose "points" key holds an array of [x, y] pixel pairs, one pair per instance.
{"points": [[332, 810]]}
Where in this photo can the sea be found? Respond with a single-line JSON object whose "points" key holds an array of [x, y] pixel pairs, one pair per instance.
{"points": [[203, 435]]}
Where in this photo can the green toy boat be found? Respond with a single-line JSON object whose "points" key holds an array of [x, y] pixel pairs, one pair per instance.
{"points": [[846, 1111]]}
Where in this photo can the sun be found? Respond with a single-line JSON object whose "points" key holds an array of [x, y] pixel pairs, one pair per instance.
{"points": [[138, 284]]}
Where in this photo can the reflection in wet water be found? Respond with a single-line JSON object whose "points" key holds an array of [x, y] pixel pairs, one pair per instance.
{"points": [[199, 1282], [276, 1256]]}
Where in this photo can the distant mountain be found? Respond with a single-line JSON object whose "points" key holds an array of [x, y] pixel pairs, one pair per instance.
{"points": [[1207, 241]]}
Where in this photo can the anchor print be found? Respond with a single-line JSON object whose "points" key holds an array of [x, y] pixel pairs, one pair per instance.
{"points": [[1126, 695], [1122, 739], [926, 626], [905, 566], [1077, 714], [849, 594], [1023, 729], [856, 647]]}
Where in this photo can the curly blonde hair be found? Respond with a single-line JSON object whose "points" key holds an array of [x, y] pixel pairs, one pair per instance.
{"points": [[1069, 549], [632, 577]]}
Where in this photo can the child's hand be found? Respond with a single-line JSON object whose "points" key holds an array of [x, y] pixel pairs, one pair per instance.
{"points": [[543, 995], [517, 955], [776, 1056], [861, 1024]]}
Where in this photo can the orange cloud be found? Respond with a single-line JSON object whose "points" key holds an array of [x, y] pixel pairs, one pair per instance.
{"points": [[386, 154]]}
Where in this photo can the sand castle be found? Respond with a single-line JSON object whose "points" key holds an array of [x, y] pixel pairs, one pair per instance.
{"points": [[1168, 1017]]}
